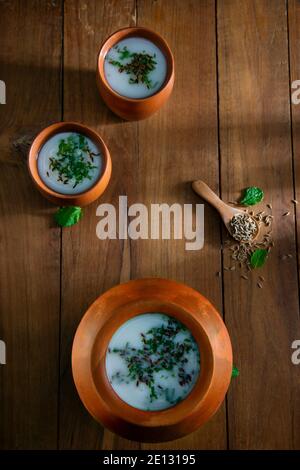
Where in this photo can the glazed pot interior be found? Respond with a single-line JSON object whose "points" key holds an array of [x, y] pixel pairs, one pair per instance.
{"points": [[116, 405], [49, 132], [135, 32]]}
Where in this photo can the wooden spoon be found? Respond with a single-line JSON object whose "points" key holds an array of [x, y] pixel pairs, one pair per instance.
{"points": [[225, 210]]}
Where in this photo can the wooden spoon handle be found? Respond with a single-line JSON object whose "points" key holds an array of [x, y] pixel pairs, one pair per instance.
{"points": [[208, 194]]}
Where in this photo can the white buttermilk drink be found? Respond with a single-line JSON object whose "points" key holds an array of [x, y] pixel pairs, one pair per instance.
{"points": [[69, 163], [135, 68], [152, 361]]}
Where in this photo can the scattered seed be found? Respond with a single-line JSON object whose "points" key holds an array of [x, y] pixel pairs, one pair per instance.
{"points": [[244, 277], [269, 206], [289, 255], [259, 285], [232, 268], [295, 201], [261, 278], [267, 220], [218, 274], [286, 213], [226, 269]]}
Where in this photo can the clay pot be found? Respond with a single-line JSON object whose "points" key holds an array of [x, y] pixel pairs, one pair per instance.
{"points": [[81, 199], [128, 108], [95, 331]]}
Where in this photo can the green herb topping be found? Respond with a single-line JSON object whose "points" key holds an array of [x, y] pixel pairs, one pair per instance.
{"points": [[160, 354], [252, 196], [67, 216], [139, 67], [73, 162], [235, 372], [258, 258]]}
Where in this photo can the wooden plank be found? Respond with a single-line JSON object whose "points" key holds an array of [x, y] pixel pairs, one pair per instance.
{"points": [[294, 41], [176, 146], [91, 266], [255, 138], [30, 244]]}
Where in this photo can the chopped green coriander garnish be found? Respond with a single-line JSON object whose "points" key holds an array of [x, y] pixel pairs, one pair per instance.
{"points": [[139, 67], [160, 353], [70, 161]]}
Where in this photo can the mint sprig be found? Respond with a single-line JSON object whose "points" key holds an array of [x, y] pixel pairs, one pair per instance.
{"points": [[258, 258], [252, 196], [235, 372], [68, 216]]}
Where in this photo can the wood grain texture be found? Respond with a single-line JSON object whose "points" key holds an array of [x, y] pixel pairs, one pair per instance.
{"points": [[255, 139], [240, 75], [91, 266], [29, 244], [176, 146], [294, 41]]}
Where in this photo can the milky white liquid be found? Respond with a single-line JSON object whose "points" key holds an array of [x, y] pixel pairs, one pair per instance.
{"points": [[50, 178], [117, 367], [119, 82]]}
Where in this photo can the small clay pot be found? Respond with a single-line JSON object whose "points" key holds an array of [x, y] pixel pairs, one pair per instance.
{"points": [[95, 331], [129, 108], [81, 199]]}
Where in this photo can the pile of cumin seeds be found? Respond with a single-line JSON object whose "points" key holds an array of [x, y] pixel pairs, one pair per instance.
{"points": [[240, 248], [243, 227], [237, 254]]}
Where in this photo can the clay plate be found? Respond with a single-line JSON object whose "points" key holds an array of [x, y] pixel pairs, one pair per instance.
{"points": [[93, 335]]}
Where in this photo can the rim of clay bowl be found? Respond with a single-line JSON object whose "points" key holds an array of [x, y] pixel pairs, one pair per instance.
{"points": [[50, 131], [118, 305]]}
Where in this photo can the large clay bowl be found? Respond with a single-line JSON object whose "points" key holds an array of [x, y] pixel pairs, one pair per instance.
{"points": [[59, 199], [93, 335], [128, 108]]}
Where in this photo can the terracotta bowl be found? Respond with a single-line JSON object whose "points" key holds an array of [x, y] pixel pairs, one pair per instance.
{"points": [[127, 108], [81, 199], [97, 327]]}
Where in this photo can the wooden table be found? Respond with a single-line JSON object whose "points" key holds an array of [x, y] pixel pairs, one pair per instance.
{"points": [[230, 122]]}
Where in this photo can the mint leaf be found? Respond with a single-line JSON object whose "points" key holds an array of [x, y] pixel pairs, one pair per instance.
{"points": [[251, 196], [67, 216], [235, 372], [258, 258]]}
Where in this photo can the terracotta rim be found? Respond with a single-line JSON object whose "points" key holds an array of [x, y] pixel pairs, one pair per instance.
{"points": [[146, 33], [46, 134], [145, 296]]}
